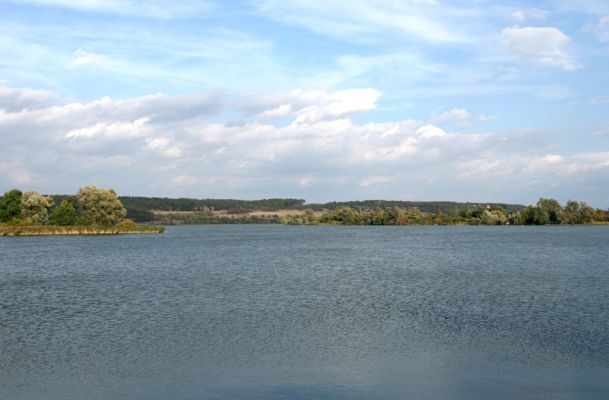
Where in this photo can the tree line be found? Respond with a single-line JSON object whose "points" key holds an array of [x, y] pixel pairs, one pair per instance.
{"points": [[545, 212], [450, 207], [140, 208], [102, 207], [186, 204], [90, 206]]}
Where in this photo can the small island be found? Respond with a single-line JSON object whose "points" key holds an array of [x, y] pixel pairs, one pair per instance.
{"points": [[92, 211]]}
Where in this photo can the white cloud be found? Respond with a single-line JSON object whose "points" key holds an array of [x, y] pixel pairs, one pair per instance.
{"points": [[163, 146], [86, 58], [531, 13], [20, 99], [111, 130], [149, 8], [367, 20], [543, 46], [183, 180], [277, 112], [377, 180], [430, 131], [599, 29], [149, 145], [460, 117], [339, 104]]}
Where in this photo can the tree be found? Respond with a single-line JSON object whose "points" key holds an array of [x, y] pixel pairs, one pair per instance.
{"points": [[100, 206], [586, 213], [35, 207], [64, 214], [495, 217], [552, 209], [10, 206], [571, 213]]}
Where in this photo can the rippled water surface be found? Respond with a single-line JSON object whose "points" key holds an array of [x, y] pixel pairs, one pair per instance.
{"points": [[281, 312]]}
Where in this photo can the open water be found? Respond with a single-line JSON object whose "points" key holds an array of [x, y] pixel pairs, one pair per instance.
{"points": [[284, 312]]}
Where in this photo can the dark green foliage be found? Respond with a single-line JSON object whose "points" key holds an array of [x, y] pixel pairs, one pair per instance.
{"points": [[10, 206], [549, 211], [139, 215], [239, 206], [64, 214], [448, 207], [389, 216], [243, 206]]}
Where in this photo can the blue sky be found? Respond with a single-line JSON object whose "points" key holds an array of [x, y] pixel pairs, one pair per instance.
{"points": [[332, 100]]}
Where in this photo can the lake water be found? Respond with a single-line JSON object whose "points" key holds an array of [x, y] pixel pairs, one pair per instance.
{"points": [[284, 312]]}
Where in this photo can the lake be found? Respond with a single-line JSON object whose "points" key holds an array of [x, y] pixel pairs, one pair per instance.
{"points": [[303, 312]]}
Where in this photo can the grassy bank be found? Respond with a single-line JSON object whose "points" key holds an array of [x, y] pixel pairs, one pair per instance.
{"points": [[35, 230]]}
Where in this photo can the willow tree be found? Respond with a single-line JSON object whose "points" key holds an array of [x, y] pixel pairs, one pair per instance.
{"points": [[35, 207], [100, 206]]}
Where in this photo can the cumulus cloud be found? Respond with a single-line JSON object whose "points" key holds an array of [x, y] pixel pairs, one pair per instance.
{"points": [[280, 111], [543, 46], [430, 131], [150, 145], [339, 104], [19, 99], [163, 146], [112, 130]]}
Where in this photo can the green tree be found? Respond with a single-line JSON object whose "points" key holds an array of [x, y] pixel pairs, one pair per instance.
{"points": [[35, 207], [64, 214], [551, 208], [309, 217], [495, 217], [100, 206], [586, 213], [10, 206], [571, 213]]}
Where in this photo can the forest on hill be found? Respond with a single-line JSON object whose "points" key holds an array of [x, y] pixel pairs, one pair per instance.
{"points": [[143, 209]]}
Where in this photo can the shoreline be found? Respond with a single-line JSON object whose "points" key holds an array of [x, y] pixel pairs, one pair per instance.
{"points": [[77, 230]]}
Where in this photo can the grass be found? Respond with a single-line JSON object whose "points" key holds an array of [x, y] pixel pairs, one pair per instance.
{"points": [[41, 230]]}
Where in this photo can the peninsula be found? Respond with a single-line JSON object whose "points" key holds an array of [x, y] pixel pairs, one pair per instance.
{"points": [[92, 211]]}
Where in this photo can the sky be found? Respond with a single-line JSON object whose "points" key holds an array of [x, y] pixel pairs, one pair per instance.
{"points": [[321, 100]]}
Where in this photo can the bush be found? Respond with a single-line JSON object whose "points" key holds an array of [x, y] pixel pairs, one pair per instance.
{"points": [[126, 223]]}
